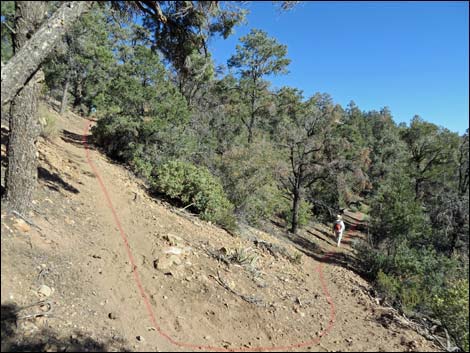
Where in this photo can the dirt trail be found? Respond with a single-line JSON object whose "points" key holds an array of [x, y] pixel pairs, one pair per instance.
{"points": [[199, 296]]}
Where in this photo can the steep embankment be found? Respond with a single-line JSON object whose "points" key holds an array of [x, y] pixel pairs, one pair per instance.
{"points": [[193, 284]]}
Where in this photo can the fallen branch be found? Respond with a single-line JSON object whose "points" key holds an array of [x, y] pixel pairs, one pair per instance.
{"points": [[423, 329], [16, 213], [48, 312], [248, 299]]}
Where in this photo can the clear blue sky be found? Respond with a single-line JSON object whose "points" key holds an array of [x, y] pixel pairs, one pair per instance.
{"points": [[410, 56]]}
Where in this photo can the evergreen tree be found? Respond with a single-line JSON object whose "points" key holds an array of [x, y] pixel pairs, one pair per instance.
{"points": [[258, 56]]}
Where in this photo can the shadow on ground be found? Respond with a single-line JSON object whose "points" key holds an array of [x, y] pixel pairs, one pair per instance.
{"points": [[54, 181], [14, 340], [321, 254], [73, 138]]}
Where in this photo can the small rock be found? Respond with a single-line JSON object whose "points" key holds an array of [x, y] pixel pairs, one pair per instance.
{"points": [[112, 316], [140, 338], [22, 225], [44, 291], [413, 344], [69, 221], [162, 264], [173, 240]]}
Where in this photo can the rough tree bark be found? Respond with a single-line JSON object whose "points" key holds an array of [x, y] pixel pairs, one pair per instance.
{"points": [[21, 177], [295, 211], [26, 61]]}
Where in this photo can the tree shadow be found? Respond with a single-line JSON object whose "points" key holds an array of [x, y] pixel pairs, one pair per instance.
{"points": [[74, 139], [13, 339], [54, 181], [323, 236], [319, 254]]}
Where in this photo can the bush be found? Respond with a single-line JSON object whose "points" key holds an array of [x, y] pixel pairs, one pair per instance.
{"points": [[388, 286], [451, 306], [142, 167], [305, 213], [263, 204], [420, 280], [48, 122], [195, 186], [248, 175], [118, 135]]}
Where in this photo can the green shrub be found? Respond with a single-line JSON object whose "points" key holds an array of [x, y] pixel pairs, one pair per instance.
{"points": [[388, 286], [305, 213], [420, 280], [364, 208], [118, 135], [249, 178], [296, 259], [372, 261], [451, 306], [142, 167], [263, 204], [48, 122], [195, 186]]}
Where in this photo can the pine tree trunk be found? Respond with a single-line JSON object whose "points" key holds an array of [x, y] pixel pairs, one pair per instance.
{"points": [[21, 178], [295, 212]]}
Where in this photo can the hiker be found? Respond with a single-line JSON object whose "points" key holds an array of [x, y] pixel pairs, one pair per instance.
{"points": [[338, 228]]}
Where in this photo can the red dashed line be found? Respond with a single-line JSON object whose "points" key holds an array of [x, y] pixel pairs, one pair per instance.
{"points": [[138, 282]]}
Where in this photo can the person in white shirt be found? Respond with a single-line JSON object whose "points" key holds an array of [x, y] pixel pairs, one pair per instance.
{"points": [[338, 228]]}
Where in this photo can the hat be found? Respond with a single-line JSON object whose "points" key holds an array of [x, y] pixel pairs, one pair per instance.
{"points": [[338, 216]]}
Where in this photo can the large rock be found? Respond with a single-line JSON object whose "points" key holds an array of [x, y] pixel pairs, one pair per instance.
{"points": [[165, 263]]}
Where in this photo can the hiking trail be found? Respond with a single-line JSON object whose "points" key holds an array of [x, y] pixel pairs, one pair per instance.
{"points": [[193, 287]]}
